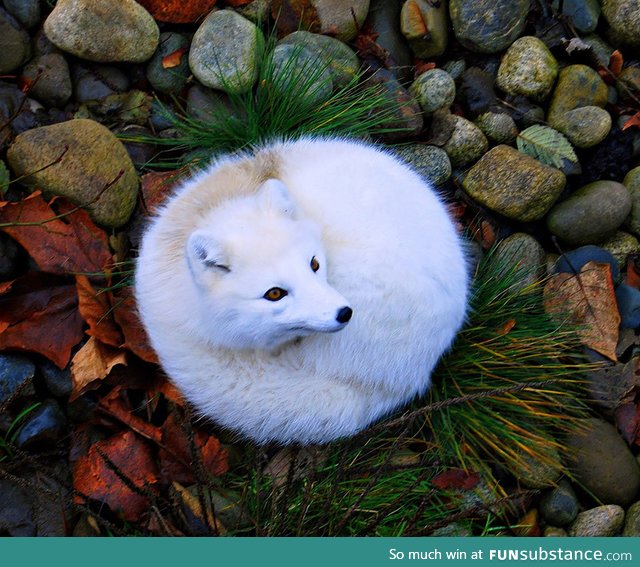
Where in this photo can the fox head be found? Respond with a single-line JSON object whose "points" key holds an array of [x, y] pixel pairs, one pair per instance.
{"points": [[261, 274]]}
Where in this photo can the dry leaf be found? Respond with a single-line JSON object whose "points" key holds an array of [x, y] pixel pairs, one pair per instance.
{"points": [[506, 327], [93, 362], [633, 121], [173, 59], [588, 301], [178, 11], [456, 478], [616, 62], [192, 506], [156, 186], [115, 406], [135, 337], [95, 309]]}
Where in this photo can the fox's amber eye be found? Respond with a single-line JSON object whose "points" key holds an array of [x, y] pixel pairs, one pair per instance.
{"points": [[315, 265], [275, 294]]}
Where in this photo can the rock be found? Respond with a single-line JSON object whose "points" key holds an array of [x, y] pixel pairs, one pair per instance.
{"points": [[632, 182], [624, 18], [42, 428], [591, 214], [476, 92], [297, 67], [95, 82], [228, 509], [257, 11], [340, 60], [621, 244], [434, 89], [514, 184], [628, 83], [600, 49], [488, 26], [571, 262], [384, 20], [170, 79], [632, 521], [16, 513], [523, 253], [27, 12], [583, 14], [57, 381], [628, 299], [603, 521], [407, 116], [552, 531], [16, 375], [15, 46], [206, 105], [93, 161], [585, 126], [455, 68], [424, 24], [578, 85], [528, 68], [500, 128], [466, 143], [51, 79], [431, 162], [99, 31], [601, 462], [559, 506], [224, 52], [537, 473], [9, 257], [455, 529], [333, 17]]}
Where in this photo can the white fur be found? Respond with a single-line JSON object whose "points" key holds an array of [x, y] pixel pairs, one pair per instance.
{"points": [[288, 370]]}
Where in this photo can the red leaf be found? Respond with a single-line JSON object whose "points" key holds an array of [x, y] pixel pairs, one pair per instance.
{"points": [[616, 61], [633, 277], [135, 337], [633, 121], [627, 417], [176, 456], [40, 314], [65, 245], [157, 186], [456, 478], [506, 327], [93, 476], [173, 59], [95, 309], [178, 11], [115, 406]]}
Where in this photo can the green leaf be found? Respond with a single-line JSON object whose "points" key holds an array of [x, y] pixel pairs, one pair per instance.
{"points": [[546, 145]]}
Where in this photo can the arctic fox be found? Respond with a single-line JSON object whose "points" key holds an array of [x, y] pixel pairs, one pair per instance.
{"points": [[302, 291]]}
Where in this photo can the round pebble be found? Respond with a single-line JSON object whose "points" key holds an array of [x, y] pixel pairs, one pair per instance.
{"points": [[628, 83], [624, 18], [171, 78], [591, 214], [98, 30], [15, 46], [571, 262], [528, 68], [16, 372], [535, 473], [632, 182], [628, 299], [584, 14], [603, 521], [224, 52], [43, 427], [467, 142], [521, 252], [621, 244], [431, 162], [434, 89], [499, 127], [559, 506], [514, 184], [601, 462], [632, 521], [58, 381], [51, 79], [424, 24], [585, 126], [94, 82], [27, 12]]}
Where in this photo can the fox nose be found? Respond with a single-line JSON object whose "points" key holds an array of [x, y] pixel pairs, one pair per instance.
{"points": [[344, 314]]}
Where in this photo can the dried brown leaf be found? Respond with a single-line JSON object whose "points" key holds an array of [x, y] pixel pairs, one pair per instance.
{"points": [[93, 362]]}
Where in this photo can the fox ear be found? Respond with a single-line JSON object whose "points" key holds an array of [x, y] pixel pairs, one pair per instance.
{"points": [[205, 252], [273, 194]]}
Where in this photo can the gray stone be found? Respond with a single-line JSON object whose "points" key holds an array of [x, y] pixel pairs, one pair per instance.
{"points": [[538, 473], [591, 214], [632, 182], [16, 374], [340, 60], [98, 30], [621, 244], [628, 300], [42, 428], [455, 529], [553, 531], [95, 170], [207, 105], [298, 71], [488, 26], [95, 82], [600, 49], [632, 521], [169, 79], [455, 68], [16, 512], [578, 85], [15, 46], [224, 52], [523, 253], [624, 18], [628, 83], [601, 461], [603, 521], [57, 381], [466, 143], [585, 126], [51, 79], [528, 68], [424, 24], [27, 12], [559, 506], [583, 14], [499, 127], [571, 262], [434, 89], [431, 162], [514, 184], [257, 11]]}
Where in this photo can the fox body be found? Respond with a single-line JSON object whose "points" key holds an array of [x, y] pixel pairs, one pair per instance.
{"points": [[300, 292]]}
